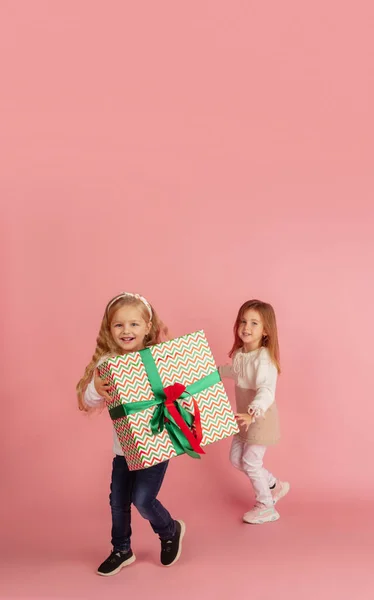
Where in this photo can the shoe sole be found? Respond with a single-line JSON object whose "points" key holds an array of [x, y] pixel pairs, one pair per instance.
{"points": [[183, 531], [126, 563], [275, 517], [286, 489]]}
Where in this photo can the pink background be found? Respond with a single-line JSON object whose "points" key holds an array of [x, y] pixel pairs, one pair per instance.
{"points": [[201, 153]]}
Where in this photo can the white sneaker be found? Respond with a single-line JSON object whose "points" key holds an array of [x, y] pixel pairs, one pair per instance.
{"points": [[281, 489], [260, 514]]}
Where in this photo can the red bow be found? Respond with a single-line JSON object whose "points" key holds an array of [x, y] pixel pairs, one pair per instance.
{"points": [[172, 393]]}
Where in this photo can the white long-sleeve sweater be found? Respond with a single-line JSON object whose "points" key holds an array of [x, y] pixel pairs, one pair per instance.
{"points": [[255, 377], [254, 371]]}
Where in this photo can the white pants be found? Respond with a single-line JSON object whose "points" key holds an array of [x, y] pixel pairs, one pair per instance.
{"points": [[249, 459]]}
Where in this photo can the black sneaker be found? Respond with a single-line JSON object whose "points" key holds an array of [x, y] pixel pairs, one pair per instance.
{"points": [[115, 562], [171, 549]]}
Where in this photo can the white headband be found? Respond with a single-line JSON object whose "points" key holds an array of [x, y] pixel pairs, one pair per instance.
{"points": [[137, 296]]}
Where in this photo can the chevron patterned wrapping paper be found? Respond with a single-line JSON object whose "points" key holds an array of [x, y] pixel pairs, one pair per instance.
{"points": [[184, 360]]}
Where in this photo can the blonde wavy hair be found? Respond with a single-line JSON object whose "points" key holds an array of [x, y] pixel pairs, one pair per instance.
{"points": [[106, 346], [270, 340]]}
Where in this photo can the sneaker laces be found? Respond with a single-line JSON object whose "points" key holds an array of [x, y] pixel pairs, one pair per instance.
{"points": [[259, 506], [112, 557], [166, 545]]}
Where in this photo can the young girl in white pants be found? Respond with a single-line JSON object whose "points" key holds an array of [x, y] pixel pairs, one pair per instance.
{"points": [[255, 367]]}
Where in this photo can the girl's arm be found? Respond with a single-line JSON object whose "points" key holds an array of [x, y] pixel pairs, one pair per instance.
{"points": [[96, 391], [91, 397], [226, 371], [266, 381]]}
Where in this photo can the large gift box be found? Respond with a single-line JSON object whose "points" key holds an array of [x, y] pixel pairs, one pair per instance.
{"points": [[167, 400]]}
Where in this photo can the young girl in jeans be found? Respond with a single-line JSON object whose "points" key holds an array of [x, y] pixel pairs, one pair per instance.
{"points": [[129, 324]]}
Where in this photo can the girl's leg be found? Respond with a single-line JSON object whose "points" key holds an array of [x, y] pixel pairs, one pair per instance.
{"points": [[278, 488], [236, 453], [272, 481], [146, 488], [120, 504], [253, 457]]}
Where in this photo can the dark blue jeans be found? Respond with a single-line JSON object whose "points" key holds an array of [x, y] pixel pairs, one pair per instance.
{"points": [[139, 488]]}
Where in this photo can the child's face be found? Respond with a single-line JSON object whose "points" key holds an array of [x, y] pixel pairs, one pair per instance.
{"points": [[128, 328], [251, 330]]}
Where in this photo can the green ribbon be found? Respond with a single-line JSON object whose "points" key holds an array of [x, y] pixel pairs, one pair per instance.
{"points": [[161, 417]]}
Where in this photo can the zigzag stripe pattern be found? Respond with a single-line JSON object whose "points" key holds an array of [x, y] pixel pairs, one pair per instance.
{"points": [[186, 360], [128, 377], [128, 444], [217, 418]]}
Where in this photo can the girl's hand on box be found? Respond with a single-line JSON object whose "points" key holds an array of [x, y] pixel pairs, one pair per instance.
{"points": [[101, 386], [244, 419]]}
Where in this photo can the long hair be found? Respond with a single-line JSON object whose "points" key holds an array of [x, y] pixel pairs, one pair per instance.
{"points": [[106, 346], [270, 341]]}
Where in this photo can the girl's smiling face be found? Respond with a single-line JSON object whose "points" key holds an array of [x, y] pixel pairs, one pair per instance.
{"points": [[128, 328], [251, 330]]}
